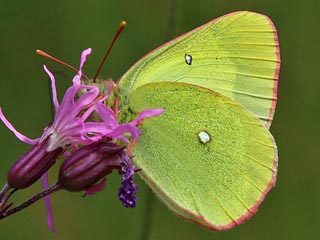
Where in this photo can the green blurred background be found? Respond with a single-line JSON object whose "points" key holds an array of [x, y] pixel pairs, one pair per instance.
{"points": [[65, 28]]}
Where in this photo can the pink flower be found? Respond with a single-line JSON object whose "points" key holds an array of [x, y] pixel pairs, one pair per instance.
{"points": [[71, 127], [68, 126]]}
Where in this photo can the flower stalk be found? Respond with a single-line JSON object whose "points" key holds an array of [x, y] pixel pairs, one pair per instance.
{"points": [[6, 213]]}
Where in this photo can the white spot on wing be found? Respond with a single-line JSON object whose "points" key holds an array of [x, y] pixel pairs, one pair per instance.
{"points": [[188, 58], [204, 137]]}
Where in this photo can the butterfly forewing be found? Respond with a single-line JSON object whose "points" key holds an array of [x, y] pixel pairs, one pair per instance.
{"points": [[236, 55]]}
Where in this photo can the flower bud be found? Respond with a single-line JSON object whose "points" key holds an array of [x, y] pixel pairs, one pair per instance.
{"points": [[32, 165], [86, 166]]}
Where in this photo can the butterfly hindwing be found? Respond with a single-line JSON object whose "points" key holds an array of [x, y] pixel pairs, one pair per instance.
{"points": [[206, 157]]}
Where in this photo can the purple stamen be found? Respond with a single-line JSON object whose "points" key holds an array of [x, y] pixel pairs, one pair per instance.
{"points": [[127, 191]]}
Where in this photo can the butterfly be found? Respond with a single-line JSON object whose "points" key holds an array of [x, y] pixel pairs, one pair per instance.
{"points": [[210, 157]]}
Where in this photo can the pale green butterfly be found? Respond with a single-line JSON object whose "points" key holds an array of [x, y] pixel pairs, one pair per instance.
{"points": [[210, 157]]}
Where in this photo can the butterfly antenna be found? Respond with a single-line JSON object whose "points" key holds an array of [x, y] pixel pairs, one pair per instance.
{"points": [[46, 55], [120, 28]]}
